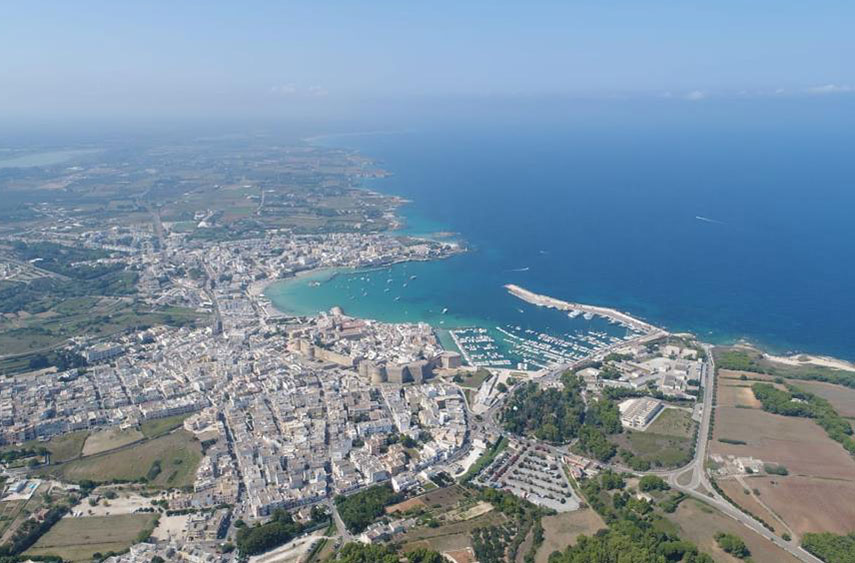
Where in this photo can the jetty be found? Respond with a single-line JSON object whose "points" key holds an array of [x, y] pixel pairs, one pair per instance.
{"points": [[607, 312]]}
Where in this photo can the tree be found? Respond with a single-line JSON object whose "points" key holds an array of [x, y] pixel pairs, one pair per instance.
{"points": [[652, 483], [732, 544]]}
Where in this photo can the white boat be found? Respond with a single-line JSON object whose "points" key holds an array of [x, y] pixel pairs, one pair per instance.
{"points": [[444, 310]]}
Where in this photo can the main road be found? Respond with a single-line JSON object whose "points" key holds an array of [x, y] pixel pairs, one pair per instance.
{"points": [[698, 485]]}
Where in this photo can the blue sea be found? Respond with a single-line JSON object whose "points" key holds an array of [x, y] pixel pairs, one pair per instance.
{"points": [[732, 220]]}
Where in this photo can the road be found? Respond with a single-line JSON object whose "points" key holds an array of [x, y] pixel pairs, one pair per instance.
{"points": [[698, 485]]}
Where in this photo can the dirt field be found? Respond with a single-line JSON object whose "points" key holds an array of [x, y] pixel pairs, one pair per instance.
{"points": [[736, 491], [808, 504], [110, 439], [178, 453], [406, 505], [446, 497], [561, 530], [76, 539], [736, 393], [841, 398], [698, 523]]}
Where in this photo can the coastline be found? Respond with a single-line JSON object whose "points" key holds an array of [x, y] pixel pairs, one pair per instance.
{"points": [[810, 359]]}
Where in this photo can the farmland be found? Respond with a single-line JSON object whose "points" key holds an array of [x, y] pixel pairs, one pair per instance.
{"points": [[841, 398], [809, 504], [821, 472], [77, 539]]}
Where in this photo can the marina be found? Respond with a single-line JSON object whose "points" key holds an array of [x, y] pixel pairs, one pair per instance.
{"points": [[527, 348]]}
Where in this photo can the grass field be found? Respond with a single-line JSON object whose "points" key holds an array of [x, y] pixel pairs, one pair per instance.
{"points": [[161, 426], [110, 439], [76, 539], [561, 530], [659, 449], [62, 448], [699, 523], [178, 455], [474, 379], [673, 422]]}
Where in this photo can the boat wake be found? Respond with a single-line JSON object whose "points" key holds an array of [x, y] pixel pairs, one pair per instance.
{"points": [[708, 220], [526, 269]]}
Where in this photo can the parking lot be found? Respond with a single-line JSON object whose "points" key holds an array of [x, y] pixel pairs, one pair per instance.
{"points": [[532, 473]]}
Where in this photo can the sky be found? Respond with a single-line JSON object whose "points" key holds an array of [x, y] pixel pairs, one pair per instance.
{"points": [[79, 59]]}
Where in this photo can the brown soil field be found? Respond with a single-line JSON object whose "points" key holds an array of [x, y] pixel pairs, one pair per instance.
{"points": [[405, 506], [797, 443], [561, 530], [699, 523], [731, 394], [809, 504], [732, 376], [841, 398], [734, 490]]}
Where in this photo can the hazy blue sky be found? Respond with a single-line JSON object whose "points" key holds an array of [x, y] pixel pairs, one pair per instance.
{"points": [[233, 58]]}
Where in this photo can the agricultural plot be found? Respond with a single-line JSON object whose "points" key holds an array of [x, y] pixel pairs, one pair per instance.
{"points": [[797, 443], [812, 498], [736, 491], [842, 399], [809, 504]]}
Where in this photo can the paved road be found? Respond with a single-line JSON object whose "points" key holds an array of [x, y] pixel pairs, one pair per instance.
{"points": [[699, 479]]}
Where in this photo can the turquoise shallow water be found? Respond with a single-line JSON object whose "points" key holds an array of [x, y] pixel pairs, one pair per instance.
{"points": [[733, 223]]}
